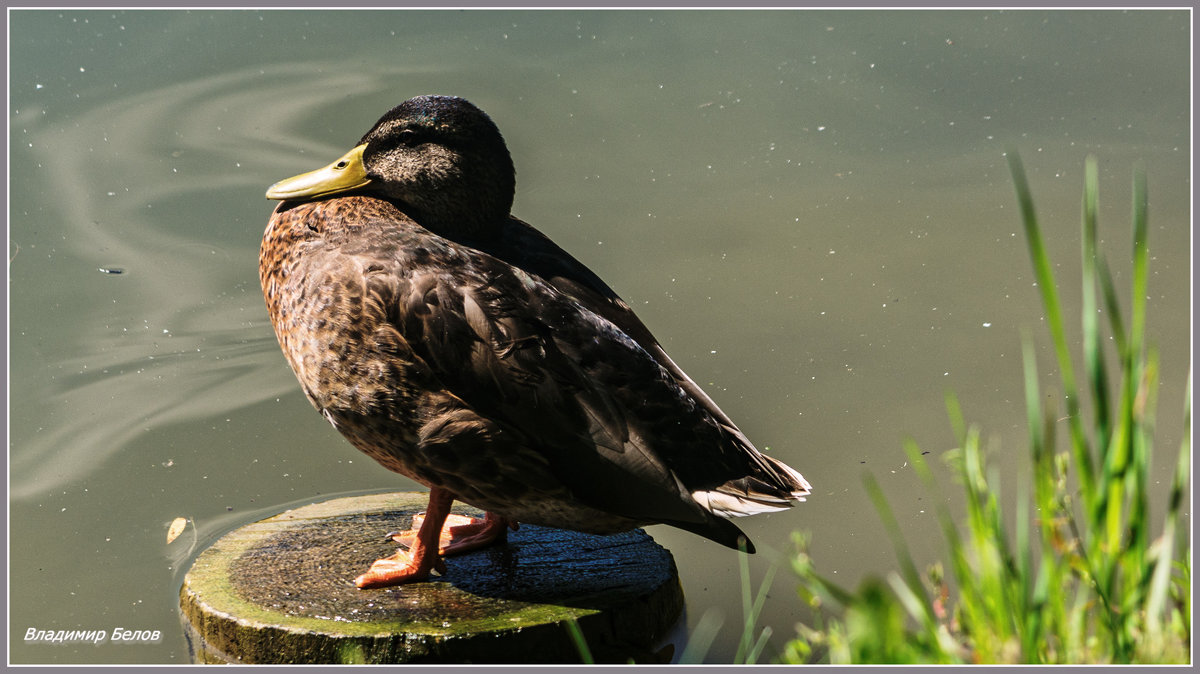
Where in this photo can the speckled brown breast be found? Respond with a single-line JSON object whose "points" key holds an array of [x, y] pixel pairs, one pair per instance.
{"points": [[339, 277]]}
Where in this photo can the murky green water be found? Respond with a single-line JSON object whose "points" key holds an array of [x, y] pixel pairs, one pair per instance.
{"points": [[810, 209]]}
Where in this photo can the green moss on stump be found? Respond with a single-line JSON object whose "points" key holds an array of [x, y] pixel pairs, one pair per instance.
{"points": [[282, 591]]}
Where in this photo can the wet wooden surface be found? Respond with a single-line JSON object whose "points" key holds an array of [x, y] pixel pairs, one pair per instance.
{"points": [[281, 590]]}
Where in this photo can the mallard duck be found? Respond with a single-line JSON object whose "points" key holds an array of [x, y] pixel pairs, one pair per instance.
{"points": [[459, 346]]}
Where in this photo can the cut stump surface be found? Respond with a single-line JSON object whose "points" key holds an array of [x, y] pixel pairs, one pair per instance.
{"points": [[281, 590]]}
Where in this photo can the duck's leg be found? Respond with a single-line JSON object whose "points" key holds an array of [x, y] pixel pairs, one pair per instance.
{"points": [[421, 558], [461, 534]]}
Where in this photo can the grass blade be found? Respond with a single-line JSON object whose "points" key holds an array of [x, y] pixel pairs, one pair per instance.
{"points": [[1093, 353], [1137, 327], [1111, 305], [1160, 584], [748, 649], [1042, 271], [701, 638], [585, 653], [908, 568]]}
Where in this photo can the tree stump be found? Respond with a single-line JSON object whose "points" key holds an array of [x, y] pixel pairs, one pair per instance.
{"points": [[281, 590]]}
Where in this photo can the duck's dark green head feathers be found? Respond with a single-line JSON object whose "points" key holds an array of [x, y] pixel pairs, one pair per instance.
{"points": [[446, 118], [440, 158]]}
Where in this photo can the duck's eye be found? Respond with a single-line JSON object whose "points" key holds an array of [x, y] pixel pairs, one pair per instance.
{"points": [[408, 137]]}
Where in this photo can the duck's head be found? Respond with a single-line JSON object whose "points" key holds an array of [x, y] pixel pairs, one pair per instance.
{"points": [[439, 157]]}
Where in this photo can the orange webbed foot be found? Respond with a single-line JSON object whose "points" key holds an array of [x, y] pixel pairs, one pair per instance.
{"points": [[435, 533], [461, 534], [398, 569], [478, 534]]}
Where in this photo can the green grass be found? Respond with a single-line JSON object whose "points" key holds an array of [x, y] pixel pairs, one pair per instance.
{"points": [[1075, 576]]}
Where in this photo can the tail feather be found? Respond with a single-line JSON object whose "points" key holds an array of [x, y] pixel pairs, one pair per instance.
{"points": [[752, 495], [794, 481]]}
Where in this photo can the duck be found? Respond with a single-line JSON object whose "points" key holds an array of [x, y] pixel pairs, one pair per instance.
{"points": [[459, 346]]}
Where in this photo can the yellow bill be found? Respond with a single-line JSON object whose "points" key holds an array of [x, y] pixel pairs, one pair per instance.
{"points": [[343, 175]]}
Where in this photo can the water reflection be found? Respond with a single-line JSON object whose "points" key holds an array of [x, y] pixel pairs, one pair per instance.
{"points": [[149, 184]]}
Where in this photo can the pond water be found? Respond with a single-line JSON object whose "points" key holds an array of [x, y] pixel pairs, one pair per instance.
{"points": [[811, 210]]}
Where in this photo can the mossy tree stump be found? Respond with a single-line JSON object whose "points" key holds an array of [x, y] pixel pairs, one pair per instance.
{"points": [[282, 591]]}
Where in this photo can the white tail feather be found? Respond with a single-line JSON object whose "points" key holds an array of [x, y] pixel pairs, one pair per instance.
{"points": [[728, 505], [805, 489]]}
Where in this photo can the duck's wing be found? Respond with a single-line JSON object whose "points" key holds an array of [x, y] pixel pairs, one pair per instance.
{"points": [[525, 247], [617, 425], [555, 377]]}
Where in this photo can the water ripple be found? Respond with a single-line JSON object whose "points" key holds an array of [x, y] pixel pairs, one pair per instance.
{"points": [[166, 186]]}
